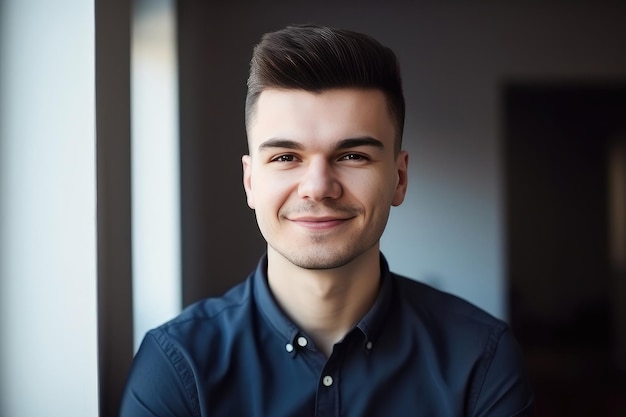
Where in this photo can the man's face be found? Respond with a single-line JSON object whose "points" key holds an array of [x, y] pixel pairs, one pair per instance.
{"points": [[322, 174]]}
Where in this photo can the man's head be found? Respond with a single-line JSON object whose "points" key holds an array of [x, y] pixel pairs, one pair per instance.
{"points": [[325, 166], [316, 58]]}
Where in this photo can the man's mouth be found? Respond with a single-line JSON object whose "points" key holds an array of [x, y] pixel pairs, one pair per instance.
{"points": [[319, 222]]}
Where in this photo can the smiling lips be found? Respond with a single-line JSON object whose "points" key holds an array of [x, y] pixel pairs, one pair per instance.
{"points": [[319, 223]]}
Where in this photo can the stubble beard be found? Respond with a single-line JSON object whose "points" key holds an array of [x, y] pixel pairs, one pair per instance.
{"points": [[319, 259]]}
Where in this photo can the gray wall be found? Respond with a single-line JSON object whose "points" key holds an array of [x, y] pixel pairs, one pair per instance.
{"points": [[455, 60]]}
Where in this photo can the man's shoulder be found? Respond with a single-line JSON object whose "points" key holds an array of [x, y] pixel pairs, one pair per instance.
{"points": [[477, 348], [210, 314], [442, 307]]}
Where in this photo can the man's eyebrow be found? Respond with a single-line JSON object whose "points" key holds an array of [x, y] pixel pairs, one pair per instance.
{"points": [[361, 141], [342, 144], [280, 143]]}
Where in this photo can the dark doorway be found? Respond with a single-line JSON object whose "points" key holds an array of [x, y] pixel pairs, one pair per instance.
{"points": [[565, 294]]}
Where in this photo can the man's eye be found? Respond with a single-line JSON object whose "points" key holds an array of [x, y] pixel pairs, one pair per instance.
{"points": [[284, 158], [353, 157]]}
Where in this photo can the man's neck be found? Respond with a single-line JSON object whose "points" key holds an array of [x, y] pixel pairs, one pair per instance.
{"points": [[326, 304]]}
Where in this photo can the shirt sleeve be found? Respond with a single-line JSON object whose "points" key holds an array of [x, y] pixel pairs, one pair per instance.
{"points": [[160, 382], [505, 388]]}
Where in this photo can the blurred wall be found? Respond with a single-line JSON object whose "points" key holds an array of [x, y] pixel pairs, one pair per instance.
{"points": [[455, 57]]}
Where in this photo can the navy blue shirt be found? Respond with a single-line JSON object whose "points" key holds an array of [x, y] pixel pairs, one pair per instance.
{"points": [[417, 352]]}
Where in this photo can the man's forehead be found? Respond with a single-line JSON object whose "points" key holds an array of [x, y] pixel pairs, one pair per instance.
{"points": [[342, 106], [318, 117]]}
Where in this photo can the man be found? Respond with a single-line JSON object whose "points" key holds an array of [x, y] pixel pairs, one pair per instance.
{"points": [[322, 327]]}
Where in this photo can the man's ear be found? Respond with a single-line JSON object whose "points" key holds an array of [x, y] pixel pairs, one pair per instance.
{"points": [[246, 162], [402, 163]]}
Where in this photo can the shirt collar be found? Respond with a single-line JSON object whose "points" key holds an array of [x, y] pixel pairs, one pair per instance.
{"points": [[373, 320], [268, 306], [370, 324]]}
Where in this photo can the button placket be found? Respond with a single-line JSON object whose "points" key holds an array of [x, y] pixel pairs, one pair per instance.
{"points": [[327, 399]]}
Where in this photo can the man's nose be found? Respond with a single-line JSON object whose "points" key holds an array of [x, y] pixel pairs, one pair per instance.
{"points": [[319, 181]]}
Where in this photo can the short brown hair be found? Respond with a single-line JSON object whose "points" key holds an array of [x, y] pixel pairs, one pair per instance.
{"points": [[317, 58]]}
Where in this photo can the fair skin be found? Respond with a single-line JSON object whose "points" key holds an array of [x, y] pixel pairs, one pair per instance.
{"points": [[322, 175]]}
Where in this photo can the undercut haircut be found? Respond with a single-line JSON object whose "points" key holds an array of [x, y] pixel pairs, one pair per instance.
{"points": [[318, 58]]}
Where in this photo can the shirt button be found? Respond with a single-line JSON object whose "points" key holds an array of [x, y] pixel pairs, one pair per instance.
{"points": [[302, 341], [368, 346], [289, 347], [327, 381]]}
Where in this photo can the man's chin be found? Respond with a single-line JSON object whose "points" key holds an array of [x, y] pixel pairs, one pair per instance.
{"points": [[318, 261]]}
